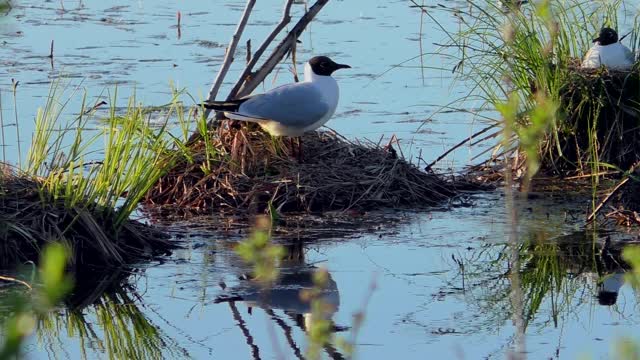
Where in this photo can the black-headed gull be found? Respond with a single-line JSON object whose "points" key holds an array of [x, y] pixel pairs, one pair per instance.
{"points": [[608, 51], [292, 109]]}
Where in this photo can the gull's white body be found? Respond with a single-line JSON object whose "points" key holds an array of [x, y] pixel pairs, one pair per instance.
{"points": [[614, 56], [292, 109]]}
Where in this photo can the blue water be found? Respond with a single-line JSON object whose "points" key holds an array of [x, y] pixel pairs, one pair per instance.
{"points": [[420, 307], [99, 44], [423, 304]]}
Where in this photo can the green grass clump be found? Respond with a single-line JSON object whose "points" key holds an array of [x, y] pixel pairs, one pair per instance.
{"points": [[134, 158], [63, 193], [531, 54]]}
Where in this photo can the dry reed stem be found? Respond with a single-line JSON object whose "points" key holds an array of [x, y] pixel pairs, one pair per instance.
{"points": [[610, 195], [246, 74], [230, 53], [14, 280], [284, 47]]}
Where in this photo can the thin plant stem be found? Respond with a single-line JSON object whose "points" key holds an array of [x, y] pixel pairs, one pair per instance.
{"points": [[15, 111], [420, 43], [230, 53], [4, 142]]}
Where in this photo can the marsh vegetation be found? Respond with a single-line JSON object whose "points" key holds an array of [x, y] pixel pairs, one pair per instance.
{"points": [[566, 120], [119, 182]]}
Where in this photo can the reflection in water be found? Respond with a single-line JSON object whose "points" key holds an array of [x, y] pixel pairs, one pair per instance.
{"points": [[563, 281], [609, 288], [296, 276], [558, 274], [601, 261], [104, 316]]}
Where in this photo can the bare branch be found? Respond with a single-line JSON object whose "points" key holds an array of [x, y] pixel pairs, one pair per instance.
{"points": [[249, 80], [279, 52], [231, 49], [286, 18], [460, 144]]}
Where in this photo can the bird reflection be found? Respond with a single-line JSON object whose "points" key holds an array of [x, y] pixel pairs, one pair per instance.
{"points": [[296, 277], [611, 269], [609, 287], [285, 293]]}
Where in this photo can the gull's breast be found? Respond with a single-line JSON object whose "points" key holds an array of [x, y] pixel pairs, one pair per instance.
{"points": [[330, 94], [614, 56]]}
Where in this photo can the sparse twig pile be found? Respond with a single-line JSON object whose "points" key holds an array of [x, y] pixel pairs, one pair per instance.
{"points": [[621, 204]]}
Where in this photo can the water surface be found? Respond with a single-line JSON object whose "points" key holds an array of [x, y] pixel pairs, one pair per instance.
{"points": [[441, 277]]}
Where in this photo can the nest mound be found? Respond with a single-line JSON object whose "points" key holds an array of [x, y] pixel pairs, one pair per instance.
{"points": [[248, 170], [30, 218], [601, 120]]}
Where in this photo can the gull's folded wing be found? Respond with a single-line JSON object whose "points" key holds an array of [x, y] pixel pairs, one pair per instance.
{"points": [[298, 105]]}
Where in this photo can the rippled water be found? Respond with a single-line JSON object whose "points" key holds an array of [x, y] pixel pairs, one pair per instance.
{"points": [[98, 44], [441, 283]]}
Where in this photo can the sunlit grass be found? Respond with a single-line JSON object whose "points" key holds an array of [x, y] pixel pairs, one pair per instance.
{"points": [[134, 157], [84, 177]]}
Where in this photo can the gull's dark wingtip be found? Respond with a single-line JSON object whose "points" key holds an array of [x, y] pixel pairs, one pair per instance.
{"points": [[232, 105]]}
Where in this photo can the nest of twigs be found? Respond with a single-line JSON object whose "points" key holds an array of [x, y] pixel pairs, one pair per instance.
{"points": [[601, 121], [248, 170], [30, 218]]}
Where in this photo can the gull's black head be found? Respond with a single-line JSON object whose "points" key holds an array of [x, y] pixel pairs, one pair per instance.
{"points": [[322, 65], [607, 36]]}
